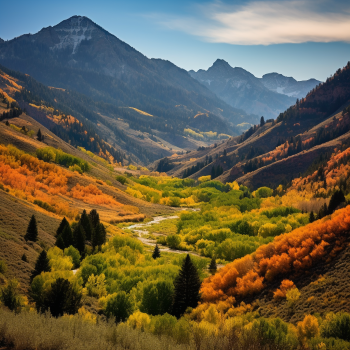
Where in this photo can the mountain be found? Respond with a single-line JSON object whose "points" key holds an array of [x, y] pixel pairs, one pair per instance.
{"points": [[128, 134], [288, 85], [278, 151], [268, 96], [78, 54]]}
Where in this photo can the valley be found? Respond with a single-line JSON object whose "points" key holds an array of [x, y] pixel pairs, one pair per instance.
{"points": [[146, 207]]}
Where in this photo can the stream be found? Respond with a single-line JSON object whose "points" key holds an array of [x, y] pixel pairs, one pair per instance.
{"points": [[141, 230]]}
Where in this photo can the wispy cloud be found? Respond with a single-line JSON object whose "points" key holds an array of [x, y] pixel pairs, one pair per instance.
{"points": [[266, 22]]}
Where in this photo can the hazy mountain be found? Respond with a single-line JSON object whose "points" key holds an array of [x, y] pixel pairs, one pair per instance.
{"points": [[80, 55], [268, 96], [288, 85], [279, 150]]}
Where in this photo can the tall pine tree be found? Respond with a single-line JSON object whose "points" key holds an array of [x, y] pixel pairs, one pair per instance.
{"points": [[99, 236], [187, 285], [336, 199], [87, 226], [61, 227], [94, 218], [32, 230], [312, 217], [41, 265], [79, 238], [67, 236], [60, 242], [212, 266], [39, 135]]}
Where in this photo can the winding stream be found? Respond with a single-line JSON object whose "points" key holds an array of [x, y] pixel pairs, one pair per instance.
{"points": [[141, 230]]}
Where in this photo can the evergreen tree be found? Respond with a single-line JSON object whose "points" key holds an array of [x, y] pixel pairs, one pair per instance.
{"points": [[32, 230], [156, 252], [62, 298], [262, 121], [212, 266], [61, 227], [213, 173], [187, 285], [87, 226], [24, 258], [7, 123], [67, 236], [99, 236], [41, 265], [79, 238], [336, 199], [322, 212], [312, 217], [94, 218], [60, 242], [39, 135]]}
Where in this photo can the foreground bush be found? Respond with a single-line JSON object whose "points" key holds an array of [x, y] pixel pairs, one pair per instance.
{"points": [[29, 330]]}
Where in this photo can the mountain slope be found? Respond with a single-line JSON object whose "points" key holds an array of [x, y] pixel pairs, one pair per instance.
{"points": [[80, 55], [128, 134], [267, 96], [278, 151]]}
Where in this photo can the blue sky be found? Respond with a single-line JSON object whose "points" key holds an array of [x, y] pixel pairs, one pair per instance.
{"points": [[300, 38]]}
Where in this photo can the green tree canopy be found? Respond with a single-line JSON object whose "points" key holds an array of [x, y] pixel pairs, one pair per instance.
{"points": [[157, 298], [119, 306]]}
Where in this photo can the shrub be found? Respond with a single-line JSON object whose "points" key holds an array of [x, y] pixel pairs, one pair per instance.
{"points": [[139, 320], [308, 328], [173, 241], [44, 205], [122, 241], [119, 306], [281, 293], [263, 192], [163, 325], [3, 266], [336, 326], [74, 254], [292, 296], [10, 297], [121, 179]]}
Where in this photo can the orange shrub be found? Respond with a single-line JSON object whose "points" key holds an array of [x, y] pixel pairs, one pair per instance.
{"points": [[281, 292]]}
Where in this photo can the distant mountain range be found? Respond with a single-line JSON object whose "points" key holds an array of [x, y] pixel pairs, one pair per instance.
{"points": [[78, 54], [298, 142], [267, 96]]}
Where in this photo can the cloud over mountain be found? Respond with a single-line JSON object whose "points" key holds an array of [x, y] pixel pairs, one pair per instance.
{"points": [[266, 22]]}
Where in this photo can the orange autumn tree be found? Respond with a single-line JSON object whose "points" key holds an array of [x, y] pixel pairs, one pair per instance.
{"points": [[281, 292], [291, 252]]}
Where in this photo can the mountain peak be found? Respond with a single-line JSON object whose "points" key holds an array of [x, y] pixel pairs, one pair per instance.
{"points": [[72, 31], [221, 63]]}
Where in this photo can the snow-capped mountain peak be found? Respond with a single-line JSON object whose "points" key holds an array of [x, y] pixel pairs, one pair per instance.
{"points": [[72, 32]]}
